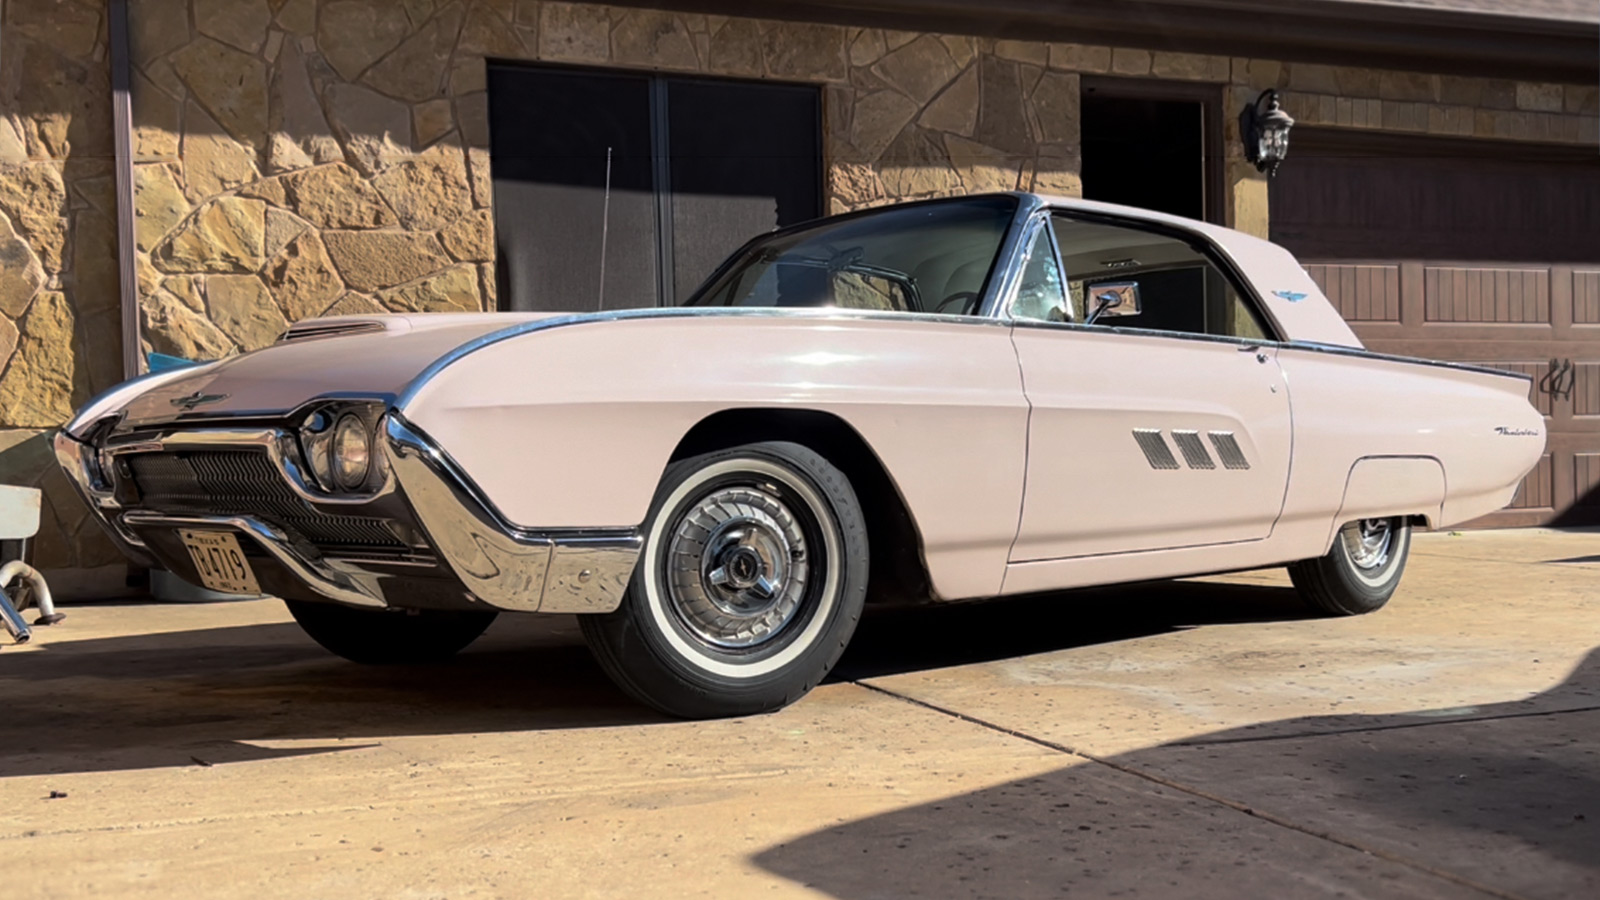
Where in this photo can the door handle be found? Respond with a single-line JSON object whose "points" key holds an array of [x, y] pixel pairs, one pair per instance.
{"points": [[1261, 355], [1559, 381]]}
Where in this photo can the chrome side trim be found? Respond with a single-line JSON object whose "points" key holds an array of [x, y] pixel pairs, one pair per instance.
{"points": [[1364, 353], [1155, 448], [505, 567], [1194, 451], [820, 314], [344, 584]]}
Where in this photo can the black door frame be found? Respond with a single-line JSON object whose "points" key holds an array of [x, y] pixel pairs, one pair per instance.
{"points": [[1212, 147], [660, 143]]}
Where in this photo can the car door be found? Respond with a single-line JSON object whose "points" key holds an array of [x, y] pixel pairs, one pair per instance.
{"points": [[1159, 425]]}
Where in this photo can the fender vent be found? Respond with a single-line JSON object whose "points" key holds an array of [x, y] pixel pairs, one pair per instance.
{"points": [[1155, 448], [1228, 450], [1194, 451], [308, 330]]}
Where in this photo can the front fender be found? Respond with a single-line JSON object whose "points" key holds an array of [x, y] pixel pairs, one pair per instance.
{"points": [[572, 426]]}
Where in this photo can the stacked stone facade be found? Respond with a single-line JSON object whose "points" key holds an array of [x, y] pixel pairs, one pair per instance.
{"points": [[298, 158]]}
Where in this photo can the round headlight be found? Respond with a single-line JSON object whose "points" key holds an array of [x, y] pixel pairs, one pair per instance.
{"points": [[351, 453]]}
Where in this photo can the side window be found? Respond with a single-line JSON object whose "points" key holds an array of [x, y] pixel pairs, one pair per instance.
{"points": [[1039, 295], [1179, 288]]}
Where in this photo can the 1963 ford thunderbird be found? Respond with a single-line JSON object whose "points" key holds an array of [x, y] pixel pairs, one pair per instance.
{"points": [[935, 401]]}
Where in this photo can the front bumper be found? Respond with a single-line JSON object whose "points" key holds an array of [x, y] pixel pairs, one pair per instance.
{"points": [[463, 553]]}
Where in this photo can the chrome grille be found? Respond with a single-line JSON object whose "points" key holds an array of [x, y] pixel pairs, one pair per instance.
{"points": [[1155, 448], [244, 483], [1194, 452], [1228, 450]]}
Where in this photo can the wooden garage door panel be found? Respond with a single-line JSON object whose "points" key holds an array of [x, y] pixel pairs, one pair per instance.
{"points": [[1586, 481], [1585, 297], [1484, 295], [1586, 389], [1538, 489], [1534, 371], [1362, 293], [1471, 251]]}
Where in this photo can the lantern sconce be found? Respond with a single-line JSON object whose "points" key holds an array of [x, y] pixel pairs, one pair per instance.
{"points": [[1264, 128]]}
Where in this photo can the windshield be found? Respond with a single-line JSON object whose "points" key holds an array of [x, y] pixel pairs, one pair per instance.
{"points": [[927, 257]]}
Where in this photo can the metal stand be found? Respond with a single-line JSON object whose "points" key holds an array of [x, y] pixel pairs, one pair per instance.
{"points": [[10, 617], [19, 522]]}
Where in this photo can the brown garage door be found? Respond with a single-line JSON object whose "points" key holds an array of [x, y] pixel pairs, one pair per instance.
{"points": [[1473, 251]]}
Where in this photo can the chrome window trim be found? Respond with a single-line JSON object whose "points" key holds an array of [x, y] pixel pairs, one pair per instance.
{"points": [[1215, 254], [1364, 353], [1038, 220], [1002, 288], [1240, 342]]}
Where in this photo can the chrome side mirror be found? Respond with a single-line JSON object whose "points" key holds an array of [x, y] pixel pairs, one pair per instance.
{"points": [[1114, 299]]}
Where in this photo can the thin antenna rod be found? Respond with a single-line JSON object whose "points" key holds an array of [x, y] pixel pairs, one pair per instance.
{"points": [[605, 229]]}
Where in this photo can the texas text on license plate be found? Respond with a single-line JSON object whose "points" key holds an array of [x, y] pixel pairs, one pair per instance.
{"points": [[219, 562]]}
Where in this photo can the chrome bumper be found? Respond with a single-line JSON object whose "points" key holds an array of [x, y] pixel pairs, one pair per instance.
{"points": [[504, 567], [568, 571]]}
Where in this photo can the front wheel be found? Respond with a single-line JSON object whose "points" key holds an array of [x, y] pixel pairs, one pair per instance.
{"points": [[750, 582], [389, 637], [1362, 570]]}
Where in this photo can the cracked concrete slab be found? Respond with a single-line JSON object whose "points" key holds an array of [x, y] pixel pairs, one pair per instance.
{"points": [[1187, 739]]}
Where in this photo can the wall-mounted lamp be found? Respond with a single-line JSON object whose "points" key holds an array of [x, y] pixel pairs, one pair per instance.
{"points": [[1264, 128]]}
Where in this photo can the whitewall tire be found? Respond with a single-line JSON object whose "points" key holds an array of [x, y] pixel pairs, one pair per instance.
{"points": [[1360, 573], [750, 583]]}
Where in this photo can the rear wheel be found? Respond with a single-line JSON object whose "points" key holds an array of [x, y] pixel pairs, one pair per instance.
{"points": [[751, 580], [389, 637], [1360, 572]]}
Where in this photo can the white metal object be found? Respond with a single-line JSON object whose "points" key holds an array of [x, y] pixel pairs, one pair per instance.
{"points": [[19, 512], [41, 598], [19, 520]]}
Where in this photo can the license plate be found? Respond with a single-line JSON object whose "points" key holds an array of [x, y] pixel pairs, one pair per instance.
{"points": [[219, 562]]}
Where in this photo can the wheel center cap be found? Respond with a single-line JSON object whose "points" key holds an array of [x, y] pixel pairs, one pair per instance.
{"points": [[744, 567]]}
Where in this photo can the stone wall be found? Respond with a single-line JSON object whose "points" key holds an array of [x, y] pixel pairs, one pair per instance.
{"points": [[299, 158], [60, 323], [309, 157]]}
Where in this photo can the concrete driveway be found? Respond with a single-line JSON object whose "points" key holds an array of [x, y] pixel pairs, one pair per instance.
{"points": [[1200, 738]]}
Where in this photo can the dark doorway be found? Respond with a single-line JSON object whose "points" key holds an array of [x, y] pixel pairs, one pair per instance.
{"points": [[616, 190], [1153, 146]]}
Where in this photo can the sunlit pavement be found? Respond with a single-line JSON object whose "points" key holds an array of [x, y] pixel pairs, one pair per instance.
{"points": [[1200, 738]]}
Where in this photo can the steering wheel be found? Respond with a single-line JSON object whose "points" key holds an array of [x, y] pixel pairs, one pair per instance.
{"points": [[967, 299]]}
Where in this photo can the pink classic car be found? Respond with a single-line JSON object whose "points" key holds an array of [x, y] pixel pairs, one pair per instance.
{"points": [[929, 402]]}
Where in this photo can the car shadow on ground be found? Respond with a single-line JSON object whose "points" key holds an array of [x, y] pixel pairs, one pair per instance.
{"points": [[213, 695], [1441, 803], [896, 641]]}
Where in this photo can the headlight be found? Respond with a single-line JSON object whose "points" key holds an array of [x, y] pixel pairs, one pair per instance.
{"points": [[352, 453]]}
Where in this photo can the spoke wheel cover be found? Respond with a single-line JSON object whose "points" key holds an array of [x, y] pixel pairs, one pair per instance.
{"points": [[1368, 542], [737, 567], [743, 637]]}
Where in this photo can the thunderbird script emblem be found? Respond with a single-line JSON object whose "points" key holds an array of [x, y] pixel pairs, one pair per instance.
{"points": [[190, 401], [1291, 296]]}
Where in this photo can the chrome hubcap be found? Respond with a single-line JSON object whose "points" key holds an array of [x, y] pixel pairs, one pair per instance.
{"points": [[737, 567], [1368, 542]]}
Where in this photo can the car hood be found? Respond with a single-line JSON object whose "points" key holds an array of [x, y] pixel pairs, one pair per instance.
{"points": [[375, 356]]}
